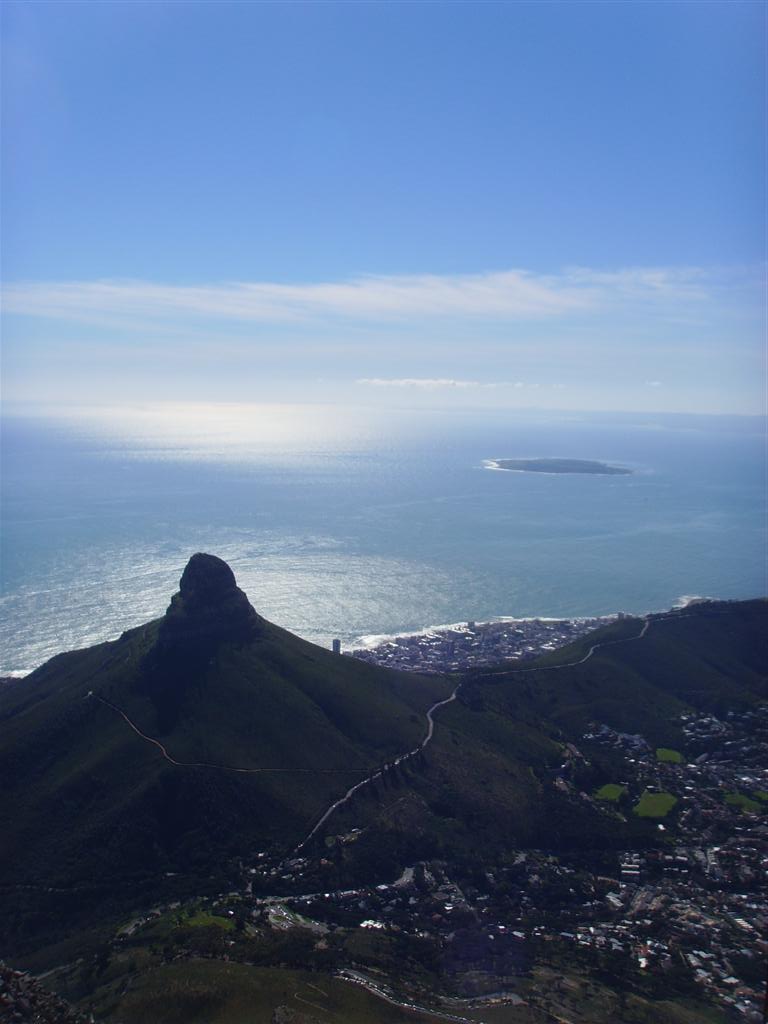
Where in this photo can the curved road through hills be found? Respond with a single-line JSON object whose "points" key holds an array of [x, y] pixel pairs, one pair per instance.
{"points": [[508, 667], [384, 768], [431, 728]]}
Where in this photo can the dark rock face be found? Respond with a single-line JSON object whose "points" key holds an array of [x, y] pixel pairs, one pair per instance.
{"points": [[208, 611], [206, 578], [209, 605]]}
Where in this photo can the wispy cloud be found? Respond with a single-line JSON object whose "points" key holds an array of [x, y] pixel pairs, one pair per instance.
{"points": [[506, 295], [423, 383], [442, 383]]}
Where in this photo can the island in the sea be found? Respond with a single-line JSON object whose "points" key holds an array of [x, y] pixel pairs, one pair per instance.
{"points": [[557, 466]]}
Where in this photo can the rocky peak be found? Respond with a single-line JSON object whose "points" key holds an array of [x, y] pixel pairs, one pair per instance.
{"points": [[208, 613], [206, 580], [209, 607]]}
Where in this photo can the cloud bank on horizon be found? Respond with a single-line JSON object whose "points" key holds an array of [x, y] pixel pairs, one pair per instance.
{"points": [[579, 338]]}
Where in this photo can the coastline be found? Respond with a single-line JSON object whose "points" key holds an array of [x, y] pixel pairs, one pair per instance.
{"points": [[468, 646], [371, 642]]}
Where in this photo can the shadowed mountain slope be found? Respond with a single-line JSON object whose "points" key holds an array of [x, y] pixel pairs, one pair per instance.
{"points": [[90, 806], [145, 768]]}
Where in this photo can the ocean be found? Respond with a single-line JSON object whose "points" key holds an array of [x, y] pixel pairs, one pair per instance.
{"points": [[352, 522]]}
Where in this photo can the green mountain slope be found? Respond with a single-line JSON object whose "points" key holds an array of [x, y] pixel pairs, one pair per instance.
{"points": [[94, 816], [493, 777], [146, 769]]}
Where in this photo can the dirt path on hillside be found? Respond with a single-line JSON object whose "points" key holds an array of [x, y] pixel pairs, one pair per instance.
{"points": [[218, 767]]}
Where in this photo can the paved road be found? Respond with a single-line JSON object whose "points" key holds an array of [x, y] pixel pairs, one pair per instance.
{"points": [[360, 979], [647, 623], [510, 667], [431, 722], [384, 768]]}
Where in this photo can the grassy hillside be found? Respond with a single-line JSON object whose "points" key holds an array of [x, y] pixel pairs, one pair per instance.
{"points": [[489, 779], [97, 821], [93, 816], [712, 658], [212, 992]]}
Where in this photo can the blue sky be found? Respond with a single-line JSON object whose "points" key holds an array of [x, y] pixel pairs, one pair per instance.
{"points": [[558, 205]]}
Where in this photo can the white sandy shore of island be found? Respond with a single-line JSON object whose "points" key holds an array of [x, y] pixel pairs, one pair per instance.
{"points": [[496, 467]]}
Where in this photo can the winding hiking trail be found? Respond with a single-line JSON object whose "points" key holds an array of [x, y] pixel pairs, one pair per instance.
{"points": [[219, 767]]}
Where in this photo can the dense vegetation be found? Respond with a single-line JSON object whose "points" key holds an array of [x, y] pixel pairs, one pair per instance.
{"points": [[561, 466]]}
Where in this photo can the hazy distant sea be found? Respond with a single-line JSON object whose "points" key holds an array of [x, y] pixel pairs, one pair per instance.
{"points": [[342, 523]]}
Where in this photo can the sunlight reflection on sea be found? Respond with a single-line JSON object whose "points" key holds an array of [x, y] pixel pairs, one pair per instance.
{"points": [[344, 522]]}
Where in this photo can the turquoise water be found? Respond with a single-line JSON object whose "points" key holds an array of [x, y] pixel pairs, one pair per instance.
{"points": [[342, 523]]}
